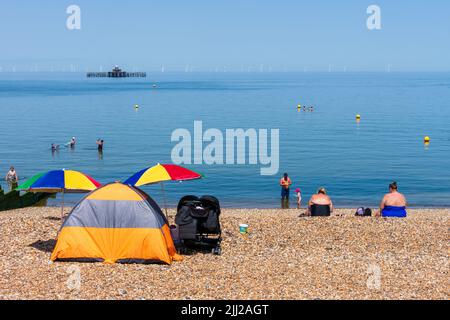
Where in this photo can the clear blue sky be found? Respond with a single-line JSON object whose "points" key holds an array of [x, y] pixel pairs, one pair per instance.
{"points": [[204, 34]]}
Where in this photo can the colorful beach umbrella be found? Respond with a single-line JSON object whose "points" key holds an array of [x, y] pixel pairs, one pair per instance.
{"points": [[27, 184], [60, 181], [161, 173]]}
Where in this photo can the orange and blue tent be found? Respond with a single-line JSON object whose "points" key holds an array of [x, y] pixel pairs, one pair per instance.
{"points": [[116, 223]]}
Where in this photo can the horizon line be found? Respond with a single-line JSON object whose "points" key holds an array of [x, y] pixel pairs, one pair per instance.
{"points": [[234, 71]]}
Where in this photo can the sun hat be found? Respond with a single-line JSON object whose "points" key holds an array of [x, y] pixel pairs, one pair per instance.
{"points": [[297, 190]]}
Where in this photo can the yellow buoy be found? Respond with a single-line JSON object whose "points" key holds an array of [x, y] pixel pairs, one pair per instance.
{"points": [[427, 139], [358, 117]]}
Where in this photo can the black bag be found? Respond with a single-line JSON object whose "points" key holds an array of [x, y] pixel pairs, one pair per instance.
{"points": [[187, 224], [212, 222], [363, 212]]}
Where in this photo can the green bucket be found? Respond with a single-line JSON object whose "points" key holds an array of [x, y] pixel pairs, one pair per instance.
{"points": [[243, 228]]}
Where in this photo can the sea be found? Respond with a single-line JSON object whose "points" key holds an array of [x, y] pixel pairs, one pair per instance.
{"points": [[354, 160]]}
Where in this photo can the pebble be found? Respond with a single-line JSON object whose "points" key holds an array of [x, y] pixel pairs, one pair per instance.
{"points": [[285, 257]]}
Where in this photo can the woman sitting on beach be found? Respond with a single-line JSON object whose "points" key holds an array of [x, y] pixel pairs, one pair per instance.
{"points": [[393, 203], [320, 204]]}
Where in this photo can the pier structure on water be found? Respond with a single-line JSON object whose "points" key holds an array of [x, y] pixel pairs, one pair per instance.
{"points": [[116, 72]]}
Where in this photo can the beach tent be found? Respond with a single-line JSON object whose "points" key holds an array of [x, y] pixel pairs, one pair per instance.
{"points": [[116, 223]]}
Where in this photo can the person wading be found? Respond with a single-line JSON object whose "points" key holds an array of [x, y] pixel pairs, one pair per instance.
{"points": [[12, 178], [285, 183]]}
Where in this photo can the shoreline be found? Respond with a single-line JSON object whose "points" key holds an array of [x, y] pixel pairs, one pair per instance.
{"points": [[56, 205], [282, 257]]}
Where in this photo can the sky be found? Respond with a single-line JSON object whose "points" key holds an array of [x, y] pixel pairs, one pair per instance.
{"points": [[231, 35]]}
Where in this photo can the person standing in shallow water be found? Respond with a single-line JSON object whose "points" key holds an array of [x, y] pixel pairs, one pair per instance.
{"points": [[298, 195], [100, 149], [100, 144], [72, 143], [12, 178], [285, 183]]}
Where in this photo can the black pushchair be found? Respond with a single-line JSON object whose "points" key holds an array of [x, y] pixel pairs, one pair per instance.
{"points": [[198, 224]]}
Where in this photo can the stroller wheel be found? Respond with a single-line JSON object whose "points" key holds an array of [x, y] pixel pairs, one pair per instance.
{"points": [[217, 251]]}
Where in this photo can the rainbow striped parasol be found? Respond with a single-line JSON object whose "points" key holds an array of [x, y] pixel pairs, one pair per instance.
{"points": [[161, 173], [60, 181]]}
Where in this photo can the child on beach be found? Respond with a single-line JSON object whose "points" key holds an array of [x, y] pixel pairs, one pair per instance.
{"points": [[298, 195]]}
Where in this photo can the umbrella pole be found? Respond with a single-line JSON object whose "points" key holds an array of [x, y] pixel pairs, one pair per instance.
{"points": [[165, 201], [62, 206]]}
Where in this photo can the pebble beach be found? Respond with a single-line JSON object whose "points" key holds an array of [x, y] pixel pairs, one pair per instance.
{"points": [[282, 257]]}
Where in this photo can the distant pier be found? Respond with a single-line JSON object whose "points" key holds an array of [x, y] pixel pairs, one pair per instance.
{"points": [[116, 73]]}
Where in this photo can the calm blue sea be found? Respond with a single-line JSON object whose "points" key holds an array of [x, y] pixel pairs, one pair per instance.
{"points": [[327, 147]]}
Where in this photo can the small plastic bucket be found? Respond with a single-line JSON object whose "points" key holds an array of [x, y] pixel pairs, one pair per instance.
{"points": [[243, 228]]}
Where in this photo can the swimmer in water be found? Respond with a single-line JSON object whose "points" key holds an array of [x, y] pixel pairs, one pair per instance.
{"points": [[55, 147], [100, 144], [72, 142]]}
